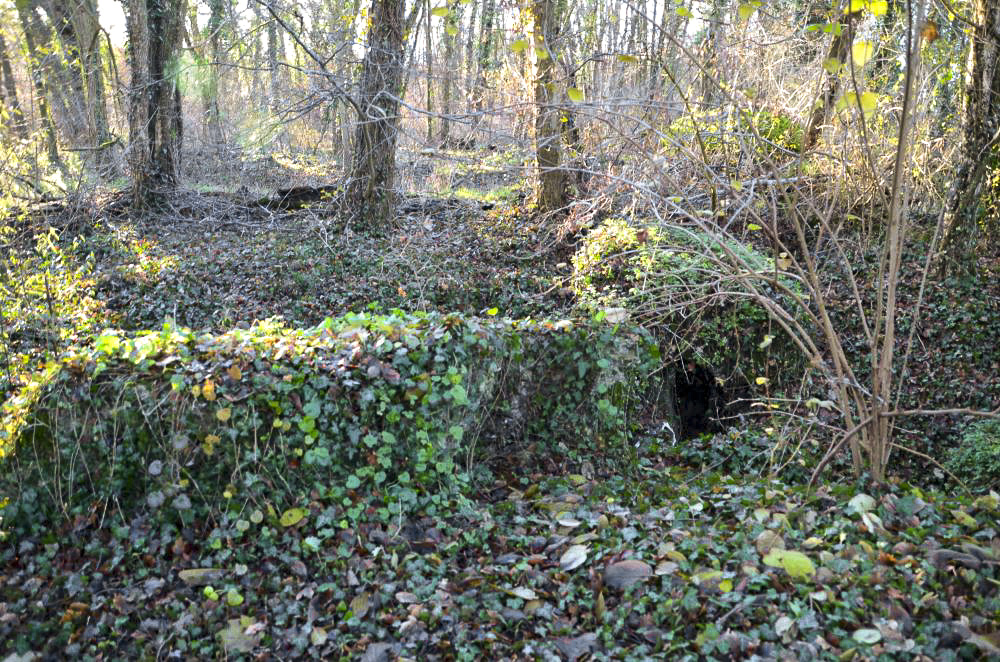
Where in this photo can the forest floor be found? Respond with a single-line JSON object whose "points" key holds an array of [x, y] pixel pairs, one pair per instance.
{"points": [[683, 555]]}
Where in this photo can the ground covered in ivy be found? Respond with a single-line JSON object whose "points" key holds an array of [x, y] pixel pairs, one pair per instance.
{"points": [[537, 546], [660, 563]]}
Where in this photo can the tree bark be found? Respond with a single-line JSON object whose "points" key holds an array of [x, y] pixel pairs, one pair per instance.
{"points": [[428, 51], [980, 151], [8, 92], [88, 31], [58, 59], [840, 49], [370, 193], [213, 115], [548, 152], [451, 23], [154, 113], [39, 80]]}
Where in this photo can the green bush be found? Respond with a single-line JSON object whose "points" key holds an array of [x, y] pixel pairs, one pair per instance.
{"points": [[392, 403], [733, 134], [976, 459], [671, 279]]}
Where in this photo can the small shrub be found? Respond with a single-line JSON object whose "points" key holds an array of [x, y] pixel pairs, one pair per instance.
{"points": [[976, 459], [669, 279]]}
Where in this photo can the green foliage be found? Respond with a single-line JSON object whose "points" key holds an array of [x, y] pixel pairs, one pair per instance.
{"points": [[730, 136], [670, 279], [976, 458], [46, 303], [394, 404], [779, 129]]}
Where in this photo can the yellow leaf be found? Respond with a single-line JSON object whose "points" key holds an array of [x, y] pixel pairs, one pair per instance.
{"points": [[745, 12], [224, 414], [766, 342], [832, 65], [848, 100], [235, 373], [628, 59], [868, 103], [796, 564], [451, 30], [761, 381], [208, 390], [212, 439], [878, 7], [440, 11], [541, 54], [861, 52], [684, 12], [518, 45], [575, 94]]}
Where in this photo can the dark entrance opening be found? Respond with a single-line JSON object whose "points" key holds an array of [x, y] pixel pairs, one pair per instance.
{"points": [[697, 397]]}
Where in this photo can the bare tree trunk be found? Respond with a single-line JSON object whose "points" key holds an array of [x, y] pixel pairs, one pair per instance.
{"points": [[470, 56], [212, 113], [8, 92], [154, 115], [88, 31], [38, 80], [272, 65], [59, 59], [840, 51], [485, 42], [548, 151], [428, 49], [451, 23], [980, 151], [256, 87], [370, 193]]}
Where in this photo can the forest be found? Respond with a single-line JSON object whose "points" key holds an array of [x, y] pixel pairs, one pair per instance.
{"points": [[500, 329]]}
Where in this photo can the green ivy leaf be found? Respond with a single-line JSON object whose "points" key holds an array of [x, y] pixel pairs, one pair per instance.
{"points": [[292, 516]]}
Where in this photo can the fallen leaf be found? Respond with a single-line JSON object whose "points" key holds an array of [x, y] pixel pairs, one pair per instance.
{"points": [[624, 574], [200, 576], [573, 557]]}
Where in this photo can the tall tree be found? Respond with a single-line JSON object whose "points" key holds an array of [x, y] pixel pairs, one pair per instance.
{"points": [[154, 109], [55, 57], [370, 191], [8, 93], [213, 114], [837, 55], [87, 31], [546, 15], [30, 27], [451, 23], [980, 151], [428, 55]]}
